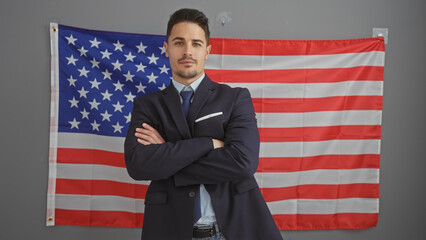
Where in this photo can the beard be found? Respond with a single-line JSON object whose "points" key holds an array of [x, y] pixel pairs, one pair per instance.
{"points": [[187, 74]]}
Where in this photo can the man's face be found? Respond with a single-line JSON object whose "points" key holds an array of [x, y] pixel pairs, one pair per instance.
{"points": [[187, 51]]}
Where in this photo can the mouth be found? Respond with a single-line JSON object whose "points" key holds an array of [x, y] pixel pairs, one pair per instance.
{"points": [[187, 63]]}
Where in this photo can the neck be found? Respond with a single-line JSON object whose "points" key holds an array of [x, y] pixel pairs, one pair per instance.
{"points": [[186, 81]]}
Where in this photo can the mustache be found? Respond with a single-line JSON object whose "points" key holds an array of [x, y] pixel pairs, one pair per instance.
{"points": [[187, 58]]}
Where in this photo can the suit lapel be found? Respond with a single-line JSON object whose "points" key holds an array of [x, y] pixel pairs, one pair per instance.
{"points": [[204, 91], [172, 100]]}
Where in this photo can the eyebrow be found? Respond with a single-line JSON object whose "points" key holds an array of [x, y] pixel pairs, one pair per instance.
{"points": [[182, 39]]}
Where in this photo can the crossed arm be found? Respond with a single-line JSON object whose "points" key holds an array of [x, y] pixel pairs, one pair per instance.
{"points": [[199, 160], [148, 135]]}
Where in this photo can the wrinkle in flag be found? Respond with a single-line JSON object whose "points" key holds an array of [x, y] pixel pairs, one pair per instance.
{"points": [[318, 105]]}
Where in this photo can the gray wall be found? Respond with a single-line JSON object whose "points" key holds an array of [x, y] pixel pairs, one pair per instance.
{"points": [[25, 95]]}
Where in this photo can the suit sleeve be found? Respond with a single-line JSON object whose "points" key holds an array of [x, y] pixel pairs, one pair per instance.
{"points": [[240, 156], [159, 161]]}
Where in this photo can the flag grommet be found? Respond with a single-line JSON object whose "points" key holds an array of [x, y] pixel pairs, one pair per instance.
{"points": [[50, 219]]}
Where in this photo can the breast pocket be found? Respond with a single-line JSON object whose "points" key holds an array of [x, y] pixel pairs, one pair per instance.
{"points": [[210, 126]]}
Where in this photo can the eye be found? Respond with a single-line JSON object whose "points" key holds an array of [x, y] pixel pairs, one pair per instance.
{"points": [[178, 43], [196, 44]]}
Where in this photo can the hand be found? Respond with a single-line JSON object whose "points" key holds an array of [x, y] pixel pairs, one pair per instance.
{"points": [[148, 135], [218, 143]]}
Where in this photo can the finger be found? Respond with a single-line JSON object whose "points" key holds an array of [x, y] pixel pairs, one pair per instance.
{"points": [[146, 137], [143, 142], [149, 136], [155, 133]]}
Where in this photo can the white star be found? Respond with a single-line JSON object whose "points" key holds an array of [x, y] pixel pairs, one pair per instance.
{"points": [[95, 84], [72, 81], [94, 43], [83, 71], [129, 57], [162, 87], [118, 107], [140, 67], [117, 65], [95, 125], [94, 104], [117, 127], [128, 117], [74, 123], [107, 74], [153, 59], [85, 114], [73, 102], [82, 51], [141, 48], [130, 97], [106, 95], [83, 93], [118, 46], [71, 40], [141, 88], [105, 54], [129, 77], [118, 86], [164, 69], [106, 116], [94, 63], [163, 49], [71, 60], [152, 78]]}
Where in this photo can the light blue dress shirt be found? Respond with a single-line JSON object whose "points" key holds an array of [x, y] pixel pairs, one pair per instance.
{"points": [[207, 213]]}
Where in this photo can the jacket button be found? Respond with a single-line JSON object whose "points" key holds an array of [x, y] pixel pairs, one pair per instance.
{"points": [[191, 194]]}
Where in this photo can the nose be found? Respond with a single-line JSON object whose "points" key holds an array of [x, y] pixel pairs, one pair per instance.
{"points": [[188, 50]]}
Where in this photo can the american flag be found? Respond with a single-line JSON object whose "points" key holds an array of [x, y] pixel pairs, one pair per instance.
{"points": [[318, 105]]}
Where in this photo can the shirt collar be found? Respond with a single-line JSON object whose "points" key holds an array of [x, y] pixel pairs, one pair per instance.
{"points": [[194, 85]]}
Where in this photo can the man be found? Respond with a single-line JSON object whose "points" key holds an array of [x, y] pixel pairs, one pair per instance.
{"points": [[199, 144]]}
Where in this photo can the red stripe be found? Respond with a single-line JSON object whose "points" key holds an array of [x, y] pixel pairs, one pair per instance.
{"points": [[326, 221], [369, 73], [306, 134], [317, 191], [277, 164], [262, 105], [294, 47], [98, 218], [90, 156], [100, 187], [283, 221], [293, 164]]}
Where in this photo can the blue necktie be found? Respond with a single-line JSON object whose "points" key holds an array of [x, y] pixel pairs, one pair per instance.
{"points": [[186, 95]]}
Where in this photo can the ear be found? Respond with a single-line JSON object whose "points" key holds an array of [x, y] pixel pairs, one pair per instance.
{"points": [[209, 48], [166, 47]]}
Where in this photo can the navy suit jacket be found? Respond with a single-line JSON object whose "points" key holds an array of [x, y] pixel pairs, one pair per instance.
{"points": [[187, 159]]}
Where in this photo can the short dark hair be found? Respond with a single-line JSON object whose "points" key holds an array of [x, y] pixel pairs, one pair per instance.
{"points": [[189, 15]]}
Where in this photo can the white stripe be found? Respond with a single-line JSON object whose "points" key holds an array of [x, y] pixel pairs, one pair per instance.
{"points": [[312, 90], [96, 172], [91, 141], [328, 206], [307, 149], [318, 176], [99, 203], [267, 149], [316, 119], [265, 179], [250, 62], [292, 206]]}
